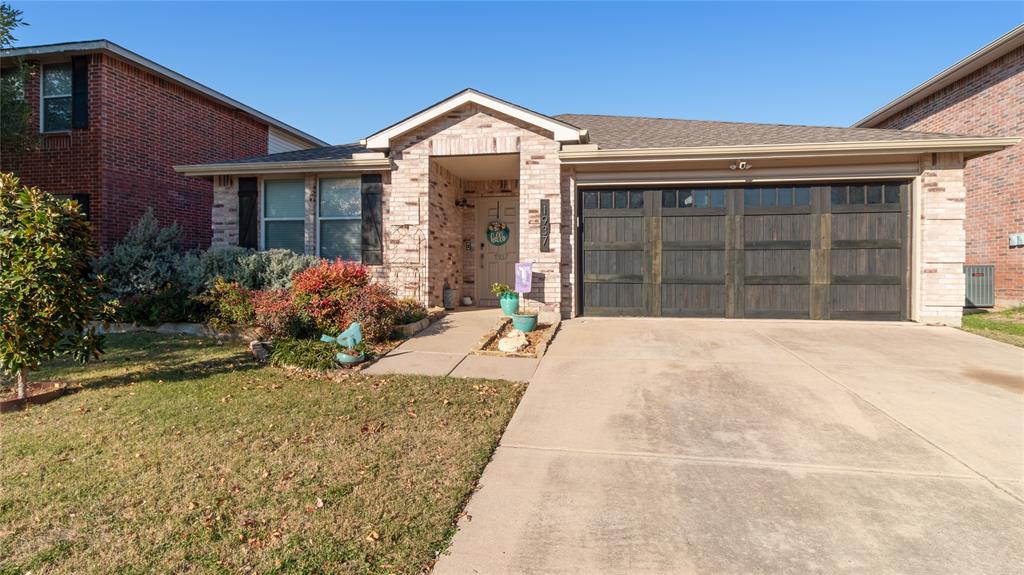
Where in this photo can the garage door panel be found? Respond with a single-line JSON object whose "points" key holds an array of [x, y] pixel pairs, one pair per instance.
{"points": [[866, 301], [782, 301], [884, 265], [614, 298], [614, 230], [866, 226], [790, 263], [693, 300], [611, 263], [694, 266], [697, 230], [771, 228]]}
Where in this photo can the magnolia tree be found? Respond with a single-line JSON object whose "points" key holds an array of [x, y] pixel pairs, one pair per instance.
{"points": [[48, 295]]}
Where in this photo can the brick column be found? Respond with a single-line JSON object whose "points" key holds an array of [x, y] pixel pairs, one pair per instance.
{"points": [[540, 179], [310, 224], [940, 240], [224, 216]]}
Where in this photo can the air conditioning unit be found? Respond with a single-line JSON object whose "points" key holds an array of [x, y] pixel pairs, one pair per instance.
{"points": [[981, 286]]}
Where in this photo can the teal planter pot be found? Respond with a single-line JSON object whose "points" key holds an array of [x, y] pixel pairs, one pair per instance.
{"points": [[509, 303], [347, 359], [524, 323]]}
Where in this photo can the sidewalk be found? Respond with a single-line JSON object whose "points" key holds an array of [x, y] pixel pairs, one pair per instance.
{"points": [[443, 349]]}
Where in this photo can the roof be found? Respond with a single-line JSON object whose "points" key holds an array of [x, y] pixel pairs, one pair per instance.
{"points": [[626, 132], [562, 130], [93, 46], [339, 152], [343, 157], [997, 49]]}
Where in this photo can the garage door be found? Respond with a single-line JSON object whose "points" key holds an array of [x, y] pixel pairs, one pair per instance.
{"points": [[831, 251]]}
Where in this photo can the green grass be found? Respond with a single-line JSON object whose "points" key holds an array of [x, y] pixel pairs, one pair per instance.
{"points": [[1006, 326], [178, 455]]}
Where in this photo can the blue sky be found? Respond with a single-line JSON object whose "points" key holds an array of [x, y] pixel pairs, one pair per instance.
{"points": [[342, 71]]}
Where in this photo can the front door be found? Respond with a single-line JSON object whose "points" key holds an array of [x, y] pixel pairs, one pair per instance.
{"points": [[497, 223]]}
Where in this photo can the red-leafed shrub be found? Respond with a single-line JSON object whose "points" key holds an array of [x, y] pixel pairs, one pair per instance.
{"points": [[277, 316], [335, 294]]}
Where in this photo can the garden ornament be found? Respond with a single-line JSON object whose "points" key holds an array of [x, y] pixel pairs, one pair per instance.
{"points": [[348, 339]]}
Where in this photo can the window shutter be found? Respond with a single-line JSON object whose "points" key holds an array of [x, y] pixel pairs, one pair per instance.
{"points": [[248, 213], [84, 204], [373, 219], [79, 92]]}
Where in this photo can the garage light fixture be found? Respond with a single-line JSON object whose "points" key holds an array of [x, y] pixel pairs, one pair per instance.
{"points": [[740, 165]]}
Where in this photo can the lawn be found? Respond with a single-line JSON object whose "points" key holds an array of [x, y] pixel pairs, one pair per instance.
{"points": [[1006, 326], [179, 455]]}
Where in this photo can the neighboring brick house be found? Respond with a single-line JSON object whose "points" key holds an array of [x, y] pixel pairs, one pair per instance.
{"points": [[624, 215], [116, 124], [980, 95]]}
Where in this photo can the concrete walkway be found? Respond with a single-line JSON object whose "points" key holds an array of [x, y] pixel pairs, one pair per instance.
{"points": [[443, 349], [702, 446]]}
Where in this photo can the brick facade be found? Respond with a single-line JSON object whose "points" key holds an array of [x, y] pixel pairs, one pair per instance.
{"points": [[988, 102], [940, 211], [140, 126]]}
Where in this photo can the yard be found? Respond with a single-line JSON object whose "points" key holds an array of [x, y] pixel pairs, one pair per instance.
{"points": [[1006, 326], [180, 455]]}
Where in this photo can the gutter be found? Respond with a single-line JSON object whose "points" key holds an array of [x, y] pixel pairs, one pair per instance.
{"points": [[298, 167], [972, 147]]}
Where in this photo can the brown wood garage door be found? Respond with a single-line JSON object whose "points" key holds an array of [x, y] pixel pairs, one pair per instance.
{"points": [[835, 251]]}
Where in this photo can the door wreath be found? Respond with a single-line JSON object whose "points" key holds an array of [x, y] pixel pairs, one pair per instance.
{"points": [[497, 233]]}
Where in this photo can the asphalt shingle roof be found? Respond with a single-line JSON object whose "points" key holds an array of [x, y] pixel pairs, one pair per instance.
{"points": [[623, 132], [339, 152]]}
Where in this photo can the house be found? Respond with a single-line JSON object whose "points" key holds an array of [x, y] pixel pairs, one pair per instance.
{"points": [[982, 95], [624, 215], [114, 125]]}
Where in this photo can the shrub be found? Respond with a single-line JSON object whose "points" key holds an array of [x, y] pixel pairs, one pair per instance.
{"points": [[229, 304], [308, 354], [272, 269], [169, 305], [144, 262], [277, 316], [409, 310], [47, 295], [335, 294], [374, 307]]}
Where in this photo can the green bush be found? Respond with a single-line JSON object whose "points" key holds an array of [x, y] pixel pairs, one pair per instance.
{"points": [[277, 316], [305, 353], [271, 269], [229, 304], [144, 262], [172, 304], [47, 294], [409, 310]]}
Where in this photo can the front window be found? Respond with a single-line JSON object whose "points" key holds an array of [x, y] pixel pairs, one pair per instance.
{"points": [[284, 215], [56, 98], [339, 218]]}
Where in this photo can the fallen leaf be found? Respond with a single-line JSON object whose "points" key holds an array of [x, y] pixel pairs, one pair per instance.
{"points": [[372, 536]]}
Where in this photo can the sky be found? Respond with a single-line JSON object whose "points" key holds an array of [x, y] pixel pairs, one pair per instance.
{"points": [[342, 71]]}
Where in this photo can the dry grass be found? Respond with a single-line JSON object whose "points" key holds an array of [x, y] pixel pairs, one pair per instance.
{"points": [[1006, 326], [178, 455]]}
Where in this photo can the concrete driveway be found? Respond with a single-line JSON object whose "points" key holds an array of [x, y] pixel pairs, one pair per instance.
{"points": [[709, 446]]}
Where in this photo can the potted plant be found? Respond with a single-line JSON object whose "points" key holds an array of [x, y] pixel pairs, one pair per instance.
{"points": [[352, 355], [525, 320], [508, 299]]}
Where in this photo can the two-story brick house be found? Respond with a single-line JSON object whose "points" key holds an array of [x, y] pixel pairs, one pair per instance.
{"points": [[112, 124], [982, 94]]}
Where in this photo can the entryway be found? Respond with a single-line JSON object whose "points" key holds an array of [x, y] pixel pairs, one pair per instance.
{"points": [[795, 251], [497, 235]]}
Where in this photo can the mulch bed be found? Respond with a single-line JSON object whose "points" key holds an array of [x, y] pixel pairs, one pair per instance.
{"points": [[535, 337], [35, 392]]}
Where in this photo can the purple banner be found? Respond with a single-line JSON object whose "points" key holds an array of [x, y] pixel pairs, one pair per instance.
{"points": [[524, 277]]}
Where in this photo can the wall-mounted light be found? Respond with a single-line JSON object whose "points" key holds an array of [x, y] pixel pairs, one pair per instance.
{"points": [[740, 165], [462, 203]]}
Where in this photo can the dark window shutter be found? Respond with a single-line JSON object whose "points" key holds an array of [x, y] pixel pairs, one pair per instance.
{"points": [[373, 219], [79, 92], [248, 213], [83, 204]]}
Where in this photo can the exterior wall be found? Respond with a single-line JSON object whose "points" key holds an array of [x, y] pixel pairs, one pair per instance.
{"points": [[140, 126], [939, 240], [412, 212], [444, 231], [989, 102]]}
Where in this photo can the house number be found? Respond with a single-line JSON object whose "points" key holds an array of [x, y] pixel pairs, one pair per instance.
{"points": [[545, 225]]}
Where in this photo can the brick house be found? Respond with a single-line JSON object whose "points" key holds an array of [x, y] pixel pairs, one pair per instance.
{"points": [[624, 215], [982, 94], [116, 123]]}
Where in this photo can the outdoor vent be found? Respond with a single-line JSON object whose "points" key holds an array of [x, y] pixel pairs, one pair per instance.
{"points": [[980, 286]]}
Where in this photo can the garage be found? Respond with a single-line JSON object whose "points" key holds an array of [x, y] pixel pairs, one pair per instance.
{"points": [[796, 251]]}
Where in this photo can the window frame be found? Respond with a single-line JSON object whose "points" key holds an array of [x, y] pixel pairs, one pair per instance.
{"points": [[263, 211], [43, 97], [318, 218]]}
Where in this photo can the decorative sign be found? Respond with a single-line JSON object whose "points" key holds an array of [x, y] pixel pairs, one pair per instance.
{"points": [[545, 225], [497, 233], [524, 277]]}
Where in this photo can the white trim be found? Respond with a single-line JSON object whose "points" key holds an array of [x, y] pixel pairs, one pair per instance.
{"points": [[979, 59], [107, 46], [296, 167], [43, 97], [318, 218], [263, 211], [562, 132]]}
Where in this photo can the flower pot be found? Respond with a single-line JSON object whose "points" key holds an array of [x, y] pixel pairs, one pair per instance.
{"points": [[347, 359], [509, 303], [524, 323]]}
